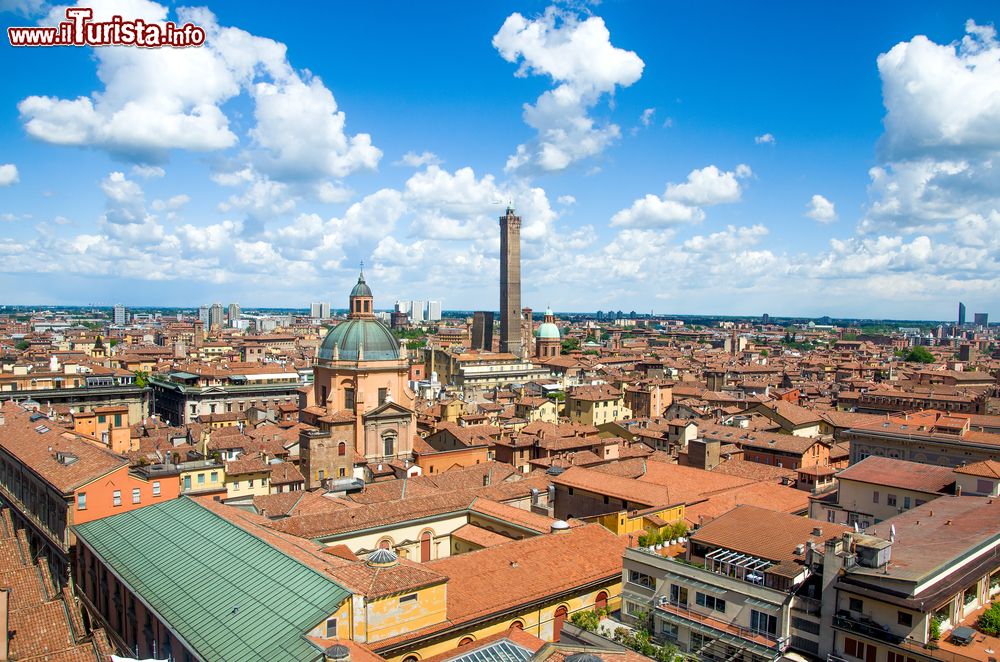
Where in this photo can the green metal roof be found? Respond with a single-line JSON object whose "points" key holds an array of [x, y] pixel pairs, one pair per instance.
{"points": [[193, 568], [377, 341]]}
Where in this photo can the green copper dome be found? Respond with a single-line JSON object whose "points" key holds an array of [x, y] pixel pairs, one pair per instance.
{"points": [[548, 330], [376, 341], [361, 289]]}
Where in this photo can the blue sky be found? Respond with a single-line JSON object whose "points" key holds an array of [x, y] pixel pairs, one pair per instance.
{"points": [[674, 157]]}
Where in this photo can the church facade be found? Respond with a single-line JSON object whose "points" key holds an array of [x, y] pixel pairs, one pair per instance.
{"points": [[361, 398]]}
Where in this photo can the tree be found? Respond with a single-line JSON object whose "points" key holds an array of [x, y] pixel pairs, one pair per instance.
{"points": [[989, 620], [141, 378], [763, 352], [22, 345], [570, 344], [919, 354], [588, 620]]}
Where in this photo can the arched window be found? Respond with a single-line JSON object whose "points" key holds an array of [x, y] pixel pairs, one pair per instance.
{"points": [[388, 444], [557, 622], [410, 658], [517, 625], [601, 601], [385, 543], [465, 641], [341, 449]]}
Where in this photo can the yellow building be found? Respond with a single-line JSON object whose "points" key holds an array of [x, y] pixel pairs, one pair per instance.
{"points": [[246, 478], [408, 612], [534, 409], [596, 405], [202, 477]]}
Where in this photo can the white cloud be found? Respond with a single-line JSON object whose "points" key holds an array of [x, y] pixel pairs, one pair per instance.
{"points": [[765, 139], [414, 160], [148, 171], [8, 174], [647, 116], [942, 134], [301, 133], [709, 186], [820, 209], [682, 203], [579, 58], [566, 200], [157, 100], [171, 204]]}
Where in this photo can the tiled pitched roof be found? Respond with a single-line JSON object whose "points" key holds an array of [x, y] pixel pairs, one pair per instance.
{"points": [[36, 444], [764, 533], [892, 472], [378, 582], [502, 577], [984, 469]]}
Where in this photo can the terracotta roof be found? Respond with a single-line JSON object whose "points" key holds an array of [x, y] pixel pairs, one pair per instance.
{"points": [[247, 465], [984, 469], [379, 581], [766, 534], [37, 443], [779, 498], [793, 413], [634, 492], [513, 515], [366, 516], [285, 472], [892, 472], [46, 622], [503, 577], [477, 535]]}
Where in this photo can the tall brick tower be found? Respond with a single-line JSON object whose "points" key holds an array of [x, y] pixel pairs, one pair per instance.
{"points": [[510, 284]]}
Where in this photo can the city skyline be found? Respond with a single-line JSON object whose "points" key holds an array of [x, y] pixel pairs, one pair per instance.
{"points": [[834, 189]]}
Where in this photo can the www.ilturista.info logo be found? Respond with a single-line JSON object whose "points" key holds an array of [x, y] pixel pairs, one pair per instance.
{"points": [[80, 30]]}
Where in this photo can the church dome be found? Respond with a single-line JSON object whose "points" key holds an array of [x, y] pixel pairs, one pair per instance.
{"points": [[366, 337], [361, 289]]}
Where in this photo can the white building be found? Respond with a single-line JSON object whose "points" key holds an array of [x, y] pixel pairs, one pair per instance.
{"points": [[417, 311], [120, 317], [433, 311], [319, 310]]}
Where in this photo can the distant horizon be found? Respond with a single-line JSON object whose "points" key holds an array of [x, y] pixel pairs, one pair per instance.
{"points": [[537, 314]]}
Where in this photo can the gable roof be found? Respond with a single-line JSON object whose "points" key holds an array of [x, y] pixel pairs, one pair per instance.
{"points": [[238, 599]]}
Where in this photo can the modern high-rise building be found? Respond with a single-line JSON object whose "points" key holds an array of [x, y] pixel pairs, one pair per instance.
{"points": [[482, 330], [766, 319], [417, 311], [961, 314], [203, 314], [433, 311], [403, 307], [982, 319], [233, 313], [510, 283], [120, 316], [319, 310], [215, 314]]}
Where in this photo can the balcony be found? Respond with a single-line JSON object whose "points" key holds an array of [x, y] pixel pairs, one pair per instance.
{"points": [[845, 620], [721, 629]]}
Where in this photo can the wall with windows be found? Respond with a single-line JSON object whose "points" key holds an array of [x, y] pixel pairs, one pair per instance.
{"points": [[247, 486], [119, 492], [543, 621]]}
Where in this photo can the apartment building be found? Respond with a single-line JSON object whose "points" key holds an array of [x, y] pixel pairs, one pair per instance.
{"points": [[902, 589], [596, 405], [878, 488], [747, 587]]}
